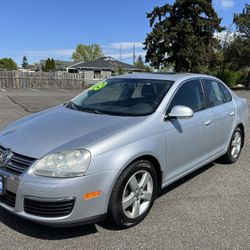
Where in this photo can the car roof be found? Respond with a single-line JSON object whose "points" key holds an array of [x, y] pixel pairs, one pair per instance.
{"points": [[162, 76]]}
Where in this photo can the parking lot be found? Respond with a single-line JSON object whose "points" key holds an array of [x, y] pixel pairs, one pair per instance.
{"points": [[209, 209]]}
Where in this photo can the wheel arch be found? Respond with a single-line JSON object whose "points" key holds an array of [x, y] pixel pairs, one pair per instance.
{"points": [[241, 126], [156, 165]]}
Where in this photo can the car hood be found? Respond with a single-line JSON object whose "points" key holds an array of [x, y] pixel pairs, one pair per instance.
{"points": [[61, 129]]}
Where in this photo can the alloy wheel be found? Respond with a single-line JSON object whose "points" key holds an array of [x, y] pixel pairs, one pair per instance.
{"points": [[236, 144], [137, 194]]}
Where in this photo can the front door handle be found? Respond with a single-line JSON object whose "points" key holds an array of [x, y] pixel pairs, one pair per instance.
{"points": [[232, 113], [207, 123]]}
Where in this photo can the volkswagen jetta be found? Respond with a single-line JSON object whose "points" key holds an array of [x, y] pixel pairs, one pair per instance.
{"points": [[111, 149]]}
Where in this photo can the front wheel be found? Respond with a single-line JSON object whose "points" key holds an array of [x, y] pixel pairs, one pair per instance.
{"points": [[235, 146], [133, 194]]}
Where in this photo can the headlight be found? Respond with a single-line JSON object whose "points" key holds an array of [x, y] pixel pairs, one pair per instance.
{"points": [[65, 164]]}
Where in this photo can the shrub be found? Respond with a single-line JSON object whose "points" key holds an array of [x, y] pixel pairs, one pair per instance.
{"points": [[229, 77]]}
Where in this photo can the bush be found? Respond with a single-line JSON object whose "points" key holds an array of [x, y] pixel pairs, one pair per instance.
{"points": [[231, 78], [7, 64]]}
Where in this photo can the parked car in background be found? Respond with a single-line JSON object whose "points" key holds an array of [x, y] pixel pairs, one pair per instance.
{"points": [[111, 149]]}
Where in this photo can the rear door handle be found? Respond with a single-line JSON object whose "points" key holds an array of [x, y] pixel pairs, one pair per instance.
{"points": [[207, 123], [232, 113]]}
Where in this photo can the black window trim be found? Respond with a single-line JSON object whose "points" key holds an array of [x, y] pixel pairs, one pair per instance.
{"points": [[220, 86], [180, 85]]}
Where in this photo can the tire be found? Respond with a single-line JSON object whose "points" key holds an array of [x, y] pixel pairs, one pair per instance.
{"points": [[234, 148], [132, 198]]}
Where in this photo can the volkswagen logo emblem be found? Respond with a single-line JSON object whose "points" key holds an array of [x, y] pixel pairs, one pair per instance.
{"points": [[5, 157]]}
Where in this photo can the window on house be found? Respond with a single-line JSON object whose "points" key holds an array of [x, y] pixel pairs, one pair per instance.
{"points": [[97, 74]]}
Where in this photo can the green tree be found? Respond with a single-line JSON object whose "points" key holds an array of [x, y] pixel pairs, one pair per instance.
{"points": [[87, 53], [49, 65], [139, 63], [25, 62], [238, 53], [7, 64], [182, 34], [52, 65]]}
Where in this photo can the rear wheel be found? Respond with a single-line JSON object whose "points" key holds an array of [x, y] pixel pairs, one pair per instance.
{"points": [[133, 194], [235, 146]]}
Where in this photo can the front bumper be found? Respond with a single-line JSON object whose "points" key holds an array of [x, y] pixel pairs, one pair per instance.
{"points": [[40, 189]]}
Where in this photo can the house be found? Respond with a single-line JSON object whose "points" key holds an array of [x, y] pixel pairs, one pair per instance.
{"points": [[101, 68], [28, 68]]}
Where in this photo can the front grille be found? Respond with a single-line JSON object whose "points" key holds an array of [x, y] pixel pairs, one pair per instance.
{"points": [[17, 164], [9, 198], [49, 208]]}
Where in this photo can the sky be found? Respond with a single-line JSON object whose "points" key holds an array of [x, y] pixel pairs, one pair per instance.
{"points": [[53, 28]]}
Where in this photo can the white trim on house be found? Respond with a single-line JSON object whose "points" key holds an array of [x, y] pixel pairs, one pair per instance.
{"points": [[74, 65], [101, 68]]}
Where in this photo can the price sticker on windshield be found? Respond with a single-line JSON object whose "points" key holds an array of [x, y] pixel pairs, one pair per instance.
{"points": [[98, 86]]}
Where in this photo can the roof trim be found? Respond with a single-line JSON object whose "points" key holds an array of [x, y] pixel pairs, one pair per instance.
{"points": [[75, 64], [109, 68]]}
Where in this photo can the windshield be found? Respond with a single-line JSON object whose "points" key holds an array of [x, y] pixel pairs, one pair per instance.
{"points": [[122, 97]]}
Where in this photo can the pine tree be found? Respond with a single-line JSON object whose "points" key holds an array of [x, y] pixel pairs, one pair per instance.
{"points": [[47, 64], [25, 62], [238, 52], [182, 34], [139, 62], [52, 65]]}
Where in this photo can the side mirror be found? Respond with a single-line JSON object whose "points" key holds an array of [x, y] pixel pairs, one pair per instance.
{"points": [[181, 112]]}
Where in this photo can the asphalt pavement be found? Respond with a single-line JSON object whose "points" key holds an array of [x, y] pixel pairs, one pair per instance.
{"points": [[209, 209]]}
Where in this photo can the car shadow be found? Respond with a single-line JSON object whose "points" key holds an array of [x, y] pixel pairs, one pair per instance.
{"points": [[186, 178], [166, 190], [43, 232]]}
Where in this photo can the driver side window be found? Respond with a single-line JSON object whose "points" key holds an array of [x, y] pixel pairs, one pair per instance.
{"points": [[190, 94]]}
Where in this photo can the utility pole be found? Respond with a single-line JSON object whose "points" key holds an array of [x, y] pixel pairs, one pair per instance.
{"points": [[134, 55], [120, 52]]}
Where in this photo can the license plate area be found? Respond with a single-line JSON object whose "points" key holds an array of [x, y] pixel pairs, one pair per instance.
{"points": [[2, 185]]}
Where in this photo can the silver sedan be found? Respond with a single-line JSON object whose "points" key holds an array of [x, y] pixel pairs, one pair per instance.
{"points": [[109, 151]]}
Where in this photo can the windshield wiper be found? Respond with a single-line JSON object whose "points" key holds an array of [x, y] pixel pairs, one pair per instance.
{"points": [[71, 105], [95, 111]]}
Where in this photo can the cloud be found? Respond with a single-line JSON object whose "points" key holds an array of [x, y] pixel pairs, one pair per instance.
{"points": [[225, 4], [111, 49]]}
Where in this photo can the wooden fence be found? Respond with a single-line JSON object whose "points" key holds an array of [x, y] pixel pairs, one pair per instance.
{"points": [[18, 79]]}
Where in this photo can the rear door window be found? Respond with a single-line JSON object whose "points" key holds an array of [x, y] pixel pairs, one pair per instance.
{"points": [[214, 92], [227, 95]]}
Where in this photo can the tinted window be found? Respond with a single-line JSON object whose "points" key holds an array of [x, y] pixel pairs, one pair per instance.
{"points": [[226, 93], [190, 94], [215, 92]]}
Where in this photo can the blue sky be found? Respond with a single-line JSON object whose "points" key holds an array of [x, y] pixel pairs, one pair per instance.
{"points": [[52, 28]]}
